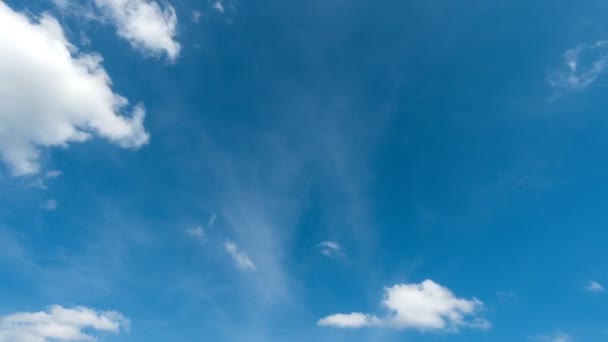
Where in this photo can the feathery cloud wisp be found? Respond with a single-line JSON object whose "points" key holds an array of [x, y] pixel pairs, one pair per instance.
{"points": [[240, 258], [582, 65]]}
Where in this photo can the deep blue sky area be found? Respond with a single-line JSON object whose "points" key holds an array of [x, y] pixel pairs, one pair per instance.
{"points": [[312, 159]]}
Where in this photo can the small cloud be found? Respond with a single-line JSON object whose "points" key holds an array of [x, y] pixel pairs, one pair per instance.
{"points": [[58, 323], [330, 248], [149, 26], [218, 6], [241, 259], [49, 205], [581, 67], [424, 306], [595, 287], [196, 16], [557, 337], [351, 320], [197, 232]]}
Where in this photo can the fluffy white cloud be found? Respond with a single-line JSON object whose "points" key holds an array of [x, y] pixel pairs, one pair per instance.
{"points": [[51, 95], [241, 259], [594, 286], [60, 324], [582, 66], [147, 25], [424, 306], [330, 248]]}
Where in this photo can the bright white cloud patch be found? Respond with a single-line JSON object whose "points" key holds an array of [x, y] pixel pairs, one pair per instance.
{"points": [[582, 65], [60, 324], [241, 259], [147, 25], [330, 248], [594, 286], [424, 306], [51, 95]]}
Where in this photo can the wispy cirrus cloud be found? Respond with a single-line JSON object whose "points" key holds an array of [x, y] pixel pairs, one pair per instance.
{"points": [[582, 65], [330, 248], [423, 306], [241, 259], [199, 232], [60, 324]]}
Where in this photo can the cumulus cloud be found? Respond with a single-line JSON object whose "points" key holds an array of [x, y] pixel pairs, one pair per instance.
{"points": [[423, 306], [60, 324], [147, 25], [52, 95], [594, 286], [240, 258], [582, 65], [330, 248]]}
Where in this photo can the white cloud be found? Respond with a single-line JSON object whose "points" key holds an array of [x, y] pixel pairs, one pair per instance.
{"points": [[352, 320], [330, 248], [49, 205], [424, 306], [147, 25], [241, 259], [198, 232], [582, 65], [557, 337], [52, 95], [60, 324], [218, 6], [594, 286]]}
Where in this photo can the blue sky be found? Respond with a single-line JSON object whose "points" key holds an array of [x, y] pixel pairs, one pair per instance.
{"points": [[303, 171]]}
